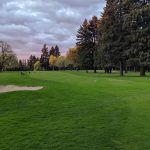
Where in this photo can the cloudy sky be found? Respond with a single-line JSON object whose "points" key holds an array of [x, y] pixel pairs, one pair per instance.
{"points": [[27, 24]]}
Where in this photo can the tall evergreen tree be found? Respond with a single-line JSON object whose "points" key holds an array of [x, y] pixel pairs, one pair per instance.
{"points": [[93, 28], [84, 45], [31, 61], [44, 60], [138, 24], [57, 51], [106, 37], [111, 39], [52, 51]]}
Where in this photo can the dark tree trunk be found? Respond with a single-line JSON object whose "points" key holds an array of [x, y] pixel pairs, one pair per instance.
{"points": [[126, 69], [110, 70], [107, 70], [95, 70], [134, 69], [142, 70], [1, 67], [121, 68]]}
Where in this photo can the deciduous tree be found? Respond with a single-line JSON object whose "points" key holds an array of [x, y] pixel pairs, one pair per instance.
{"points": [[37, 66], [7, 56], [52, 61], [60, 62], [71, 58]]}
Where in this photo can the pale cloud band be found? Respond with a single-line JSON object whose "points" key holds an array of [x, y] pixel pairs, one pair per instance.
{"points": [[28, 24]]}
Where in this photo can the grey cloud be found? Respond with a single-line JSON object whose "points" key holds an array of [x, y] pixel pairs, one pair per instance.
{"points": [[28, 24]]}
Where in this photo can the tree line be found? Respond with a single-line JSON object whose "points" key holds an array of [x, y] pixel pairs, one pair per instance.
{"points": [[51, 59], [120, 39]]}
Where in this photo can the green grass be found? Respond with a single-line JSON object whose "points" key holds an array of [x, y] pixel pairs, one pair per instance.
{"points": [[75, 111]]}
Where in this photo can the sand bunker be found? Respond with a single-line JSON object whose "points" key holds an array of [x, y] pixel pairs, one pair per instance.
{"points": [[11, 88]]}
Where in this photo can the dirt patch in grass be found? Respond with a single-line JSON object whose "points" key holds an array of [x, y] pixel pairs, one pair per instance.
{"points": [[11, 88]]}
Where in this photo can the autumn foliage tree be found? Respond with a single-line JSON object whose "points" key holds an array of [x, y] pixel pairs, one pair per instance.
{"points": [[60, 62], [37, 66], [52, 61], [71, 58]]}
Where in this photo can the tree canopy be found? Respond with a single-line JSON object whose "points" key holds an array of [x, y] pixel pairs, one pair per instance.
{"points": [[8, 58]]}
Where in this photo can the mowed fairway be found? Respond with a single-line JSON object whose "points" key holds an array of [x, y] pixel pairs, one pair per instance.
{"points": [[75, 111]]}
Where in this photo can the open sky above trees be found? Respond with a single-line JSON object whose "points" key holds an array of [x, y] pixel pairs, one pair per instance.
{"points": [[27, 25]]}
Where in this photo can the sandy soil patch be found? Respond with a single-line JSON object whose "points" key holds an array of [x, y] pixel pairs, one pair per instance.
{"points": [[11, 88]]}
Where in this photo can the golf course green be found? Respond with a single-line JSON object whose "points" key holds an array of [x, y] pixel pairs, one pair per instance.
{"points": [[75, 111]]}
